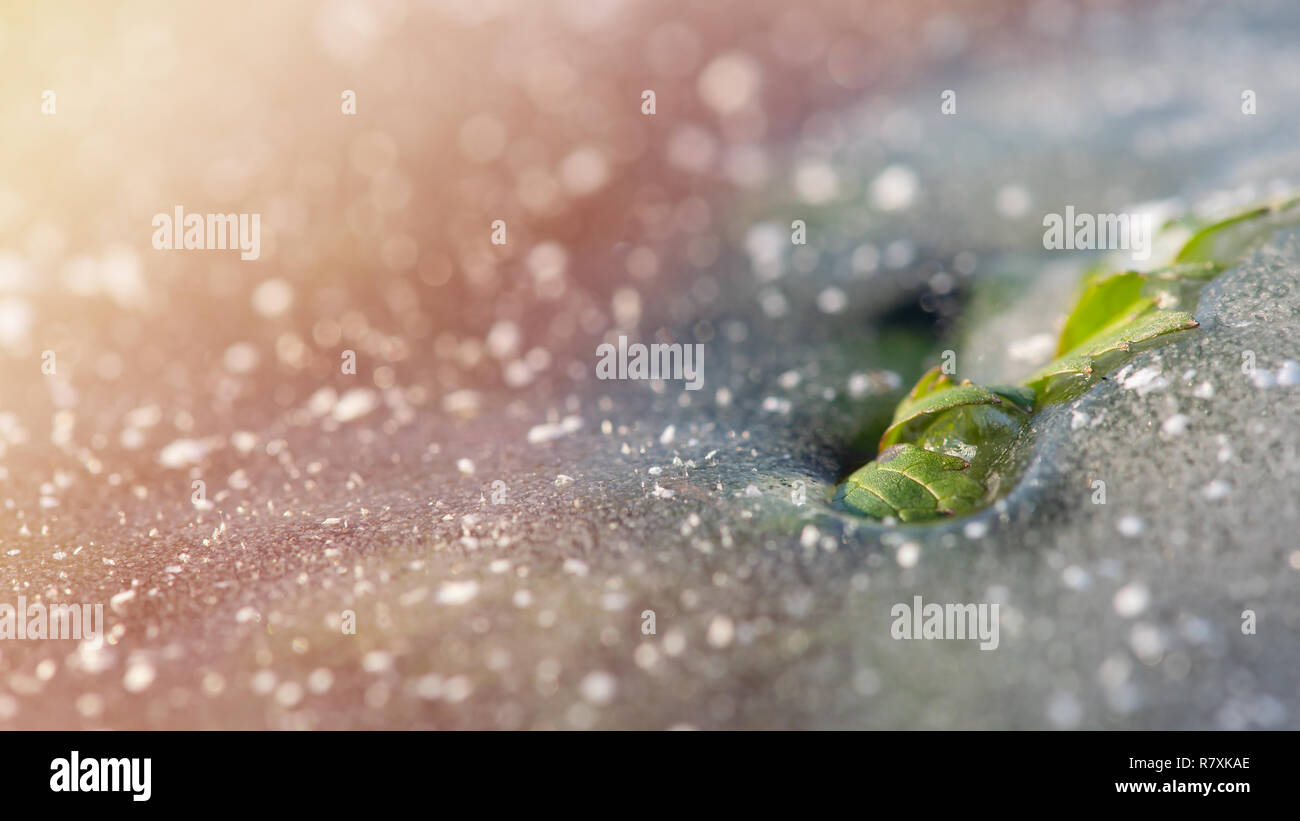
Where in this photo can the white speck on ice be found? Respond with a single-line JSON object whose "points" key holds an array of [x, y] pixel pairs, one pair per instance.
{"points": [[730, 82], [457, 592], [721, 631], [613, 601], [1146, 641], [773, 303], [1075, 577], [894, 189], [598, 687], [1225, 453], [320, 680], [1131, 526], [138, 677], [816, 182], [832, 301], [463, 403], [322, 401], [145, 416], [288, 694], [1013, 201], [15, 320], [1064, 710], [1216, 490], [241, 357], [975, 530], [1131, 599], [1175, 425], [503, 339], [355, 404], [669, 434], [808, 537], [262, 682], [243, 441], [429, 687], [1289, 373], [546, 432], [1146, 380], [859, 385], [272, 297], [776, 404], [183, 452], [120, 599], [866, 259]]}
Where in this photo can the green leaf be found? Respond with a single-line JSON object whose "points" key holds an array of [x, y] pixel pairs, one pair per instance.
{"points": [[950, 447], [1198, 271], [1211, 243], [1104, 302], [1089, 359], [1174, 287], [1019, 396], [934, 393], [912, 484], [930, 382], [1227, 241], [1061, 366], [1144, 328]]}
